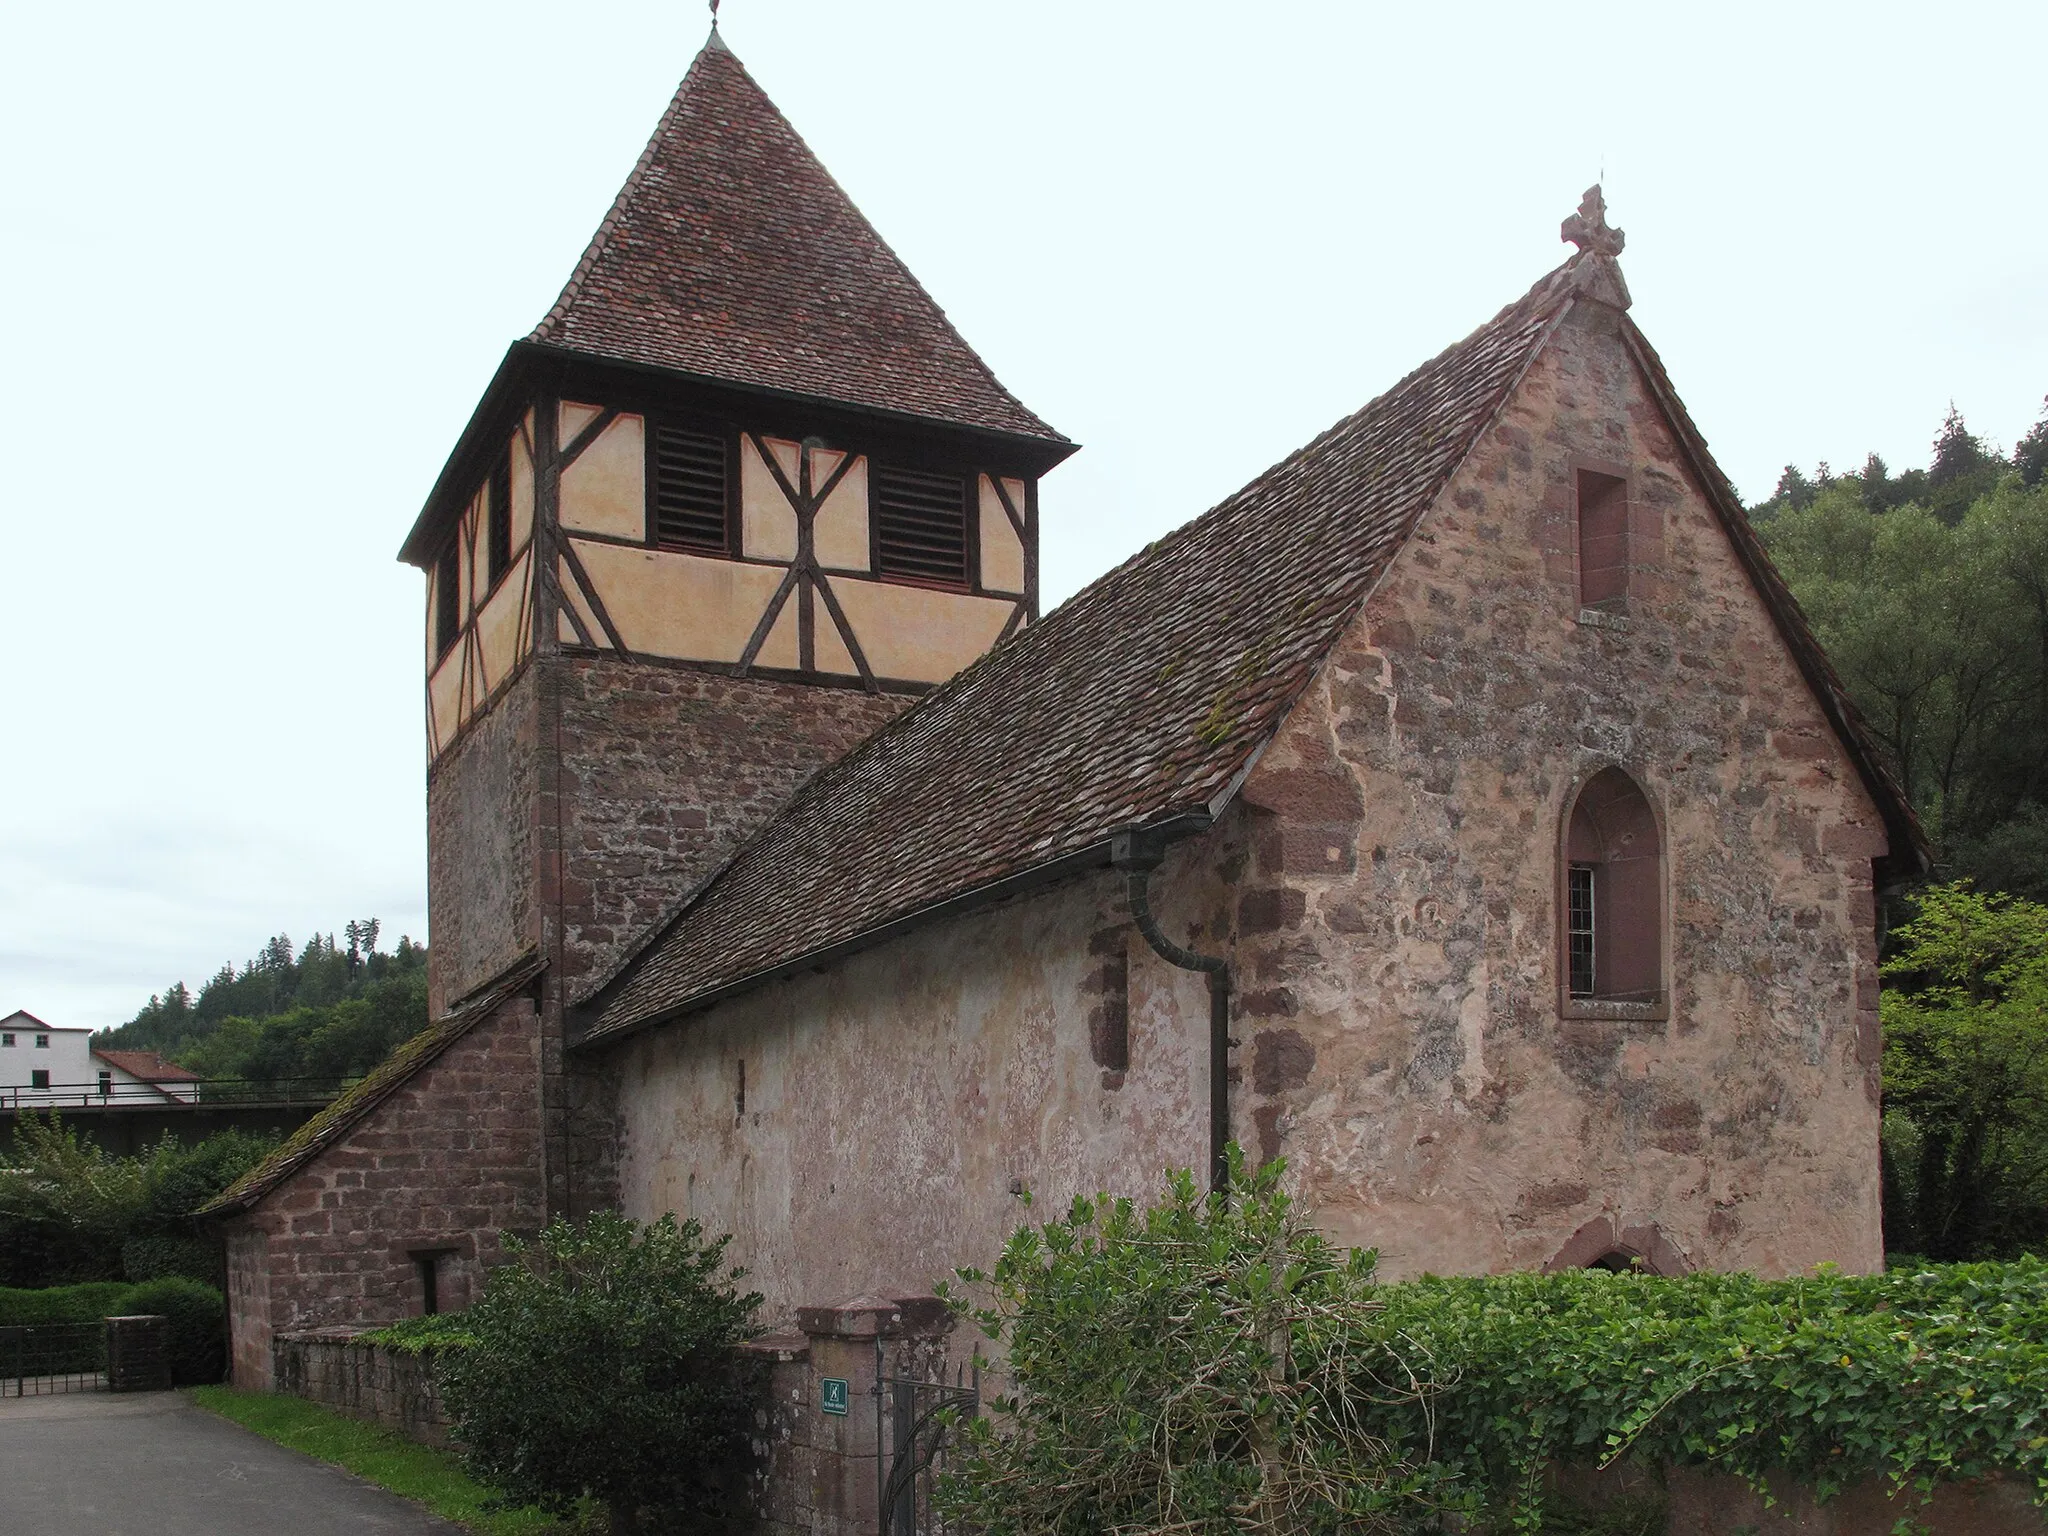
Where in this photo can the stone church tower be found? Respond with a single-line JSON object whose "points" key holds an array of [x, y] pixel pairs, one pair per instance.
{"points": [[740, 494]]}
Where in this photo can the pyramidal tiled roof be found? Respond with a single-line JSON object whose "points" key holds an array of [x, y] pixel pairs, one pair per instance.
{"points": [[1140, 701], [732, 254]]}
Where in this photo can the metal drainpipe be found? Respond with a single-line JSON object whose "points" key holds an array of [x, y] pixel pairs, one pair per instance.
{"points": [[1138, 855]]}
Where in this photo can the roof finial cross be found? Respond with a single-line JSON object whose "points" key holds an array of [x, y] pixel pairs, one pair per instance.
{"points": [[1589, 230]]}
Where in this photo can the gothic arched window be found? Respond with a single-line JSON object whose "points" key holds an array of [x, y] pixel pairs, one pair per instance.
{"points": [[1613, 939]]}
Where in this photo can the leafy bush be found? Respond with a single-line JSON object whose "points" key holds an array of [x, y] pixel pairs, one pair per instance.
{"points": [[86, 1303], [601, 1363], [1966, 1076], [196, 1325], [66, 1206], [422, 1335], [71, 1212], [1205, 1366], [157, 1255], [1916, 1376], [1212, 1366]]}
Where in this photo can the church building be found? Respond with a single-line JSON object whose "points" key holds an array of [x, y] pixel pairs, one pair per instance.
{"points": [[1462, 810]]}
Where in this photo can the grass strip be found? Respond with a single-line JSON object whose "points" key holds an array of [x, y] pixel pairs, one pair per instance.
{"points": [[430, 1477]]}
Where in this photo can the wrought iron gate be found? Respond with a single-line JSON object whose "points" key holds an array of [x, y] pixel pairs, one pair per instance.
{"points": [[39, 1359], [916, 1420]]}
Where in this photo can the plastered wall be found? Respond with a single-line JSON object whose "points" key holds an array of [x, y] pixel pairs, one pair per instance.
{"points": [[890, 1104], [1408, 1049]]}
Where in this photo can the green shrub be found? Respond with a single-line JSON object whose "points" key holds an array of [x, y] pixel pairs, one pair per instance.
{"points": [[1200, 1367], [153, 1256], [420, 1335], [86, 1303], [196, 1324], [1211, 1366], [602, 1363], [1926, 1375]]}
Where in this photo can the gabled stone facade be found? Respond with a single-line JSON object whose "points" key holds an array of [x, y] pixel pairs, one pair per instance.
{"points": [[430, 1178]]}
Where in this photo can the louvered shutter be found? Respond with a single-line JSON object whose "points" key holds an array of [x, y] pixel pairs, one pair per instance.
{"points": [[920, 524], [689, 489]]}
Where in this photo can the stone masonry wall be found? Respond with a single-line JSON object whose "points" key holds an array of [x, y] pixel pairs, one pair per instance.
{"points": [[664, 770], [481, 807], [335, 1367], [1398, 950], [449, 1161]]}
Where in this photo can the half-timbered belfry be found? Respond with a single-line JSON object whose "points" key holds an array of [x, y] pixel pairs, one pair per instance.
{"points": [[741, 492]]}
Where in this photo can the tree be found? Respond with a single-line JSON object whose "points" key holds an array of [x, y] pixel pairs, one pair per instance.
{"points": [[1964, 469], [1966, 1075], [2030, 458], [602, 1364], [1794, 489]]}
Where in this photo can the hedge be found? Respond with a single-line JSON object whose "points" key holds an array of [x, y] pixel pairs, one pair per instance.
{"points": [[1213, 1365], [196, 1314], [1915, 1376]]}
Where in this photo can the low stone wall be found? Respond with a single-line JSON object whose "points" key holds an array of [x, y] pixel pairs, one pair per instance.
{"points": [[336, 1367]]}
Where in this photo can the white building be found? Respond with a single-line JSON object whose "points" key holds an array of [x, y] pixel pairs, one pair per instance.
{"points": [[53, 1066]]}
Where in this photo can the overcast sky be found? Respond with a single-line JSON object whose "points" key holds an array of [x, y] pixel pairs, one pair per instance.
{"points": [[261, 260]]}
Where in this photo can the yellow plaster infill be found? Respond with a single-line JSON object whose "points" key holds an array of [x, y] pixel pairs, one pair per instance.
{"points": [[682, 606], [829, 651], [767, 521], [522, 490], [1002, 552], [839, 534], [915, 633], [605, 490], [574, 417], [444, 695], [572, 597], [501, 637], [780, 648]]}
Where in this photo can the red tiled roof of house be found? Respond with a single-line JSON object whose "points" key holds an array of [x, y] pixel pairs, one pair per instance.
{"points": [[731, 254], [148, 1066], [1144, 699]]}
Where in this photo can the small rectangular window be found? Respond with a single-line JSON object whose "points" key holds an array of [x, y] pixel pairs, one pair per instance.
{"points": [[39, 1078], [1603, 540], [106, 1084], [1579, 928], [498, 516], [687, 502], [42, 1042], [920, 525], [447, 601], [6, 1039]]}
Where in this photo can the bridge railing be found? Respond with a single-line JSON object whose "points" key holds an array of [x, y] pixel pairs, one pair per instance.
{"points": [[188, 1093]]}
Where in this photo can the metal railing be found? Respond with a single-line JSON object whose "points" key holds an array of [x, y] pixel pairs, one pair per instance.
{"points": [[39, 1359], [172, 1095], [916, 1421]]}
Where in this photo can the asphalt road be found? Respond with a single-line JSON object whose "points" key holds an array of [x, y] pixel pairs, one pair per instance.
{"points": [[151, 1464]]}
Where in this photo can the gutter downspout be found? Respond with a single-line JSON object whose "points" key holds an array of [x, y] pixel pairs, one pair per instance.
{"points": [[1138, 854]]}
